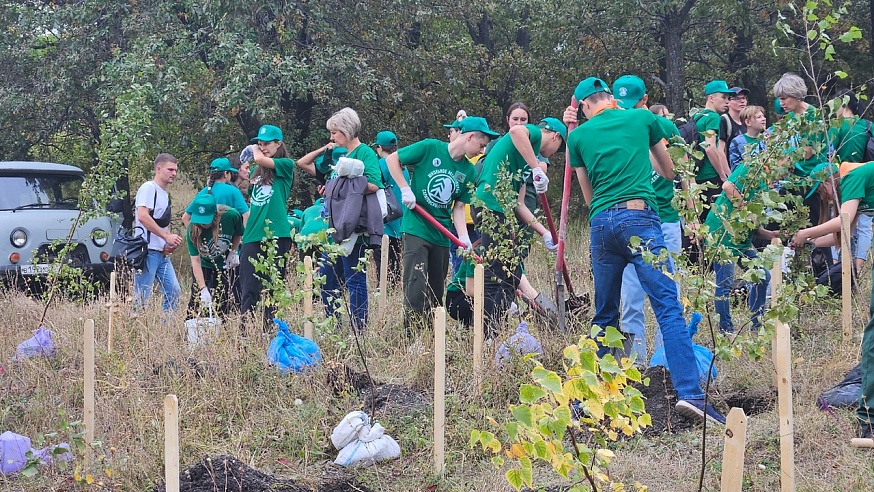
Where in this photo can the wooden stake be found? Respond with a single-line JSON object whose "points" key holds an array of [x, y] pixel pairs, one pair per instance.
{"points": [[776, 276], [439, 389], [846, 278], [89, 389], [383, 277], [858, 442], [478, 302], [308, 297], [733, 451], [112, 280], [171, 443], [782, 355]]}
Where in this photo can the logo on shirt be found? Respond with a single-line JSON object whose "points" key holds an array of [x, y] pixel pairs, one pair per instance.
{"points": [[441, 189], [436, 162], [261, 195]]}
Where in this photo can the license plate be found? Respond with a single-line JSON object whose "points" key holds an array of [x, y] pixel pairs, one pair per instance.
{"points": [[39, 269]]}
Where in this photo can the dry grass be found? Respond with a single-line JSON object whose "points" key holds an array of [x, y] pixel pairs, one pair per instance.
{"points": [[234, 403]]}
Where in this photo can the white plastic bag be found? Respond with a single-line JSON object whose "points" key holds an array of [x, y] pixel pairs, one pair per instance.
{"points": [[361, 444], [383, 206], [348, 428]]}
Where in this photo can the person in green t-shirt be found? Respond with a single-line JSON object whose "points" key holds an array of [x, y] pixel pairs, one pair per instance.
{"points": [[213, 235], [386, 144], [740, 188], [440, 183], [513, 157], [610, 152], [271, 181], [851, 136], [221, 175], [714, 167], [857, 192]]}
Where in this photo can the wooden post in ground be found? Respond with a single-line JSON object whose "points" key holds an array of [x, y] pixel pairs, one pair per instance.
{"points": [[439, 389], [782, 355], [383, 277], [112, 309], [733, 451], [171, 443], [308, 297], [776, 276], [846, 278], [88, 400], [478, 302]]}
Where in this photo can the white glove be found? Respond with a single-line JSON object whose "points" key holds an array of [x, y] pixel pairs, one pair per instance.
{"points": [[205, 297], [247, 155], [541, 182], [466, 241], [548, 242], [232, 261], [408, 198], [350, 168]]}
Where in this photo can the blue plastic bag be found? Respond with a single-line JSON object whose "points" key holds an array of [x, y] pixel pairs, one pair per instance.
{"points": [[40, 344], [290, 352], [703, 355]]}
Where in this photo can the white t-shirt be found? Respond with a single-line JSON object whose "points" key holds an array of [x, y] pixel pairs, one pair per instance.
{"points": [[157, 203]]}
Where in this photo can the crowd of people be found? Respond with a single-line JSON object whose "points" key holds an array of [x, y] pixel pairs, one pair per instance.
{"points": [[482, 188]]}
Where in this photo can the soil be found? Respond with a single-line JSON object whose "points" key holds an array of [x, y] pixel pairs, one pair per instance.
{"points": [[660, 400], [228, 474], [388, 398]]}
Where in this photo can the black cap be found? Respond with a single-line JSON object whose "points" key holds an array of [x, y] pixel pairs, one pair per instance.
{"points": [[740, 90]]}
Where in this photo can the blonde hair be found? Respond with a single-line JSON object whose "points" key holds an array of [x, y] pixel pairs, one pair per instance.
{"points": [[750, 112], [345, 121]]}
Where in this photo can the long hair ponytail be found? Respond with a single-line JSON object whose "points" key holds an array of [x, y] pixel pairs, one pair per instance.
{"points": [[264, 176]]}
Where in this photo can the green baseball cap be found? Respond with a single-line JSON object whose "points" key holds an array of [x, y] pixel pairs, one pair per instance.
{"points": [[555, 125], [455, 124], [203, 209], [336, 154], [590, 86], [386, 138], [628, 90], [715, 86], [476, 124], [268, 133], [220, 165]]}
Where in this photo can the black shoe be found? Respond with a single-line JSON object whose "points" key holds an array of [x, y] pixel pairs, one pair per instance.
{"points": [[865, 430]]}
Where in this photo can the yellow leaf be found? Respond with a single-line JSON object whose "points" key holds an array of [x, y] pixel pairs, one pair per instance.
{"points": [[77, 476], [108, 472], [492, 421], [612, 435], [517, 451], [89, 479]]}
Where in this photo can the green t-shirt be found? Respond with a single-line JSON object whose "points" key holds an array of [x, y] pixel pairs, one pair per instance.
{"points": [[858, 184], [613, 146], [464, 272], [437, 182], [368, 156], [709, 121], [312, 221], [505, 158], [722, 209], [213, 255], [849, 139], [269, 204], [393, 228], [814, 139], [224, 194], [664, 188]]}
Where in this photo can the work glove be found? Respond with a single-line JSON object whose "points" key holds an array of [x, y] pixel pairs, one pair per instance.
{"points": [[541, 182], [349, 168], [247, 155], [232, 261], [466, 241], [549, 243], [408, 198], [205, 297]]}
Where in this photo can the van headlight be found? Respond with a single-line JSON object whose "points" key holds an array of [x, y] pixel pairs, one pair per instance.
{"points": [[99, 237], [18, 238]]}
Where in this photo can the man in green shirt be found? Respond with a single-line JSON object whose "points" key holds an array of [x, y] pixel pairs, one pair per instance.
{"points": [[611, 154], [714, 167], [512, 158], [857, 193], [440, 183]]}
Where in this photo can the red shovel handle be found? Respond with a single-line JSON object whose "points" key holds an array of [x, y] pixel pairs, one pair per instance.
{"points": [[443, 230], [565, 199]]}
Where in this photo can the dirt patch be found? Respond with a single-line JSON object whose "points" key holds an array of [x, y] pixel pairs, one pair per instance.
{"points": [[388, 398], [228, 474], [660, 400], [752, 402]]}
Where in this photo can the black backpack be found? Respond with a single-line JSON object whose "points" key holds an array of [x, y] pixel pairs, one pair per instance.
{"points": [[868, 156], [690, 134]]}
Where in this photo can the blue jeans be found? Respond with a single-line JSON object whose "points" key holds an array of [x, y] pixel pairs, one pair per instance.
{"points": [[862, 235], [724, 283], [158, 268], [611, 232], [633, 296], [341, 274]]}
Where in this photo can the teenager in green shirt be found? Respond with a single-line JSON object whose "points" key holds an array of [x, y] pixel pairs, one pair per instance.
{"points": [[857, 193], [440, 183], [271, 181], [611, 154], [221, 174], [386, 144], [214, 234]]}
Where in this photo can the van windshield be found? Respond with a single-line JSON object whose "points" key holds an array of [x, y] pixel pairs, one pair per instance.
{"points": [[34, 191]]}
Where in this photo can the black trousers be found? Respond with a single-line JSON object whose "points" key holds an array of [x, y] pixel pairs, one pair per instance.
{"points": [[459, 307], [251, 283], [219, 284]]}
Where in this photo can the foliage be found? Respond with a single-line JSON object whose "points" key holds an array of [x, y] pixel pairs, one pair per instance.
{"points": [[590, 406]]}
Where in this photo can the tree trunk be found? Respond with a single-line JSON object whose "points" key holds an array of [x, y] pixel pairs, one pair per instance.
{"points": [[675, 67]]}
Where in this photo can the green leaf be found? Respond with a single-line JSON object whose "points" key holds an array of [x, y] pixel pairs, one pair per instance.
{"points": [[811, 34], [31, 469], [550, 381], [522, 413], [613, 338], [512, 429], [474, 437], [526, 471], [514, 478], [528, 393]]}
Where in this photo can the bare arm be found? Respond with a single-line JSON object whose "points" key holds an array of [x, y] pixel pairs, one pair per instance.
{"points": [[715, 152], [520, 137], [832, 226], [661, 161], [307, 162], [262, 160], [149, 223], [197, 270], [245, 217], [585, 185], [394, 168], [525, 216], [459, 218]]}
